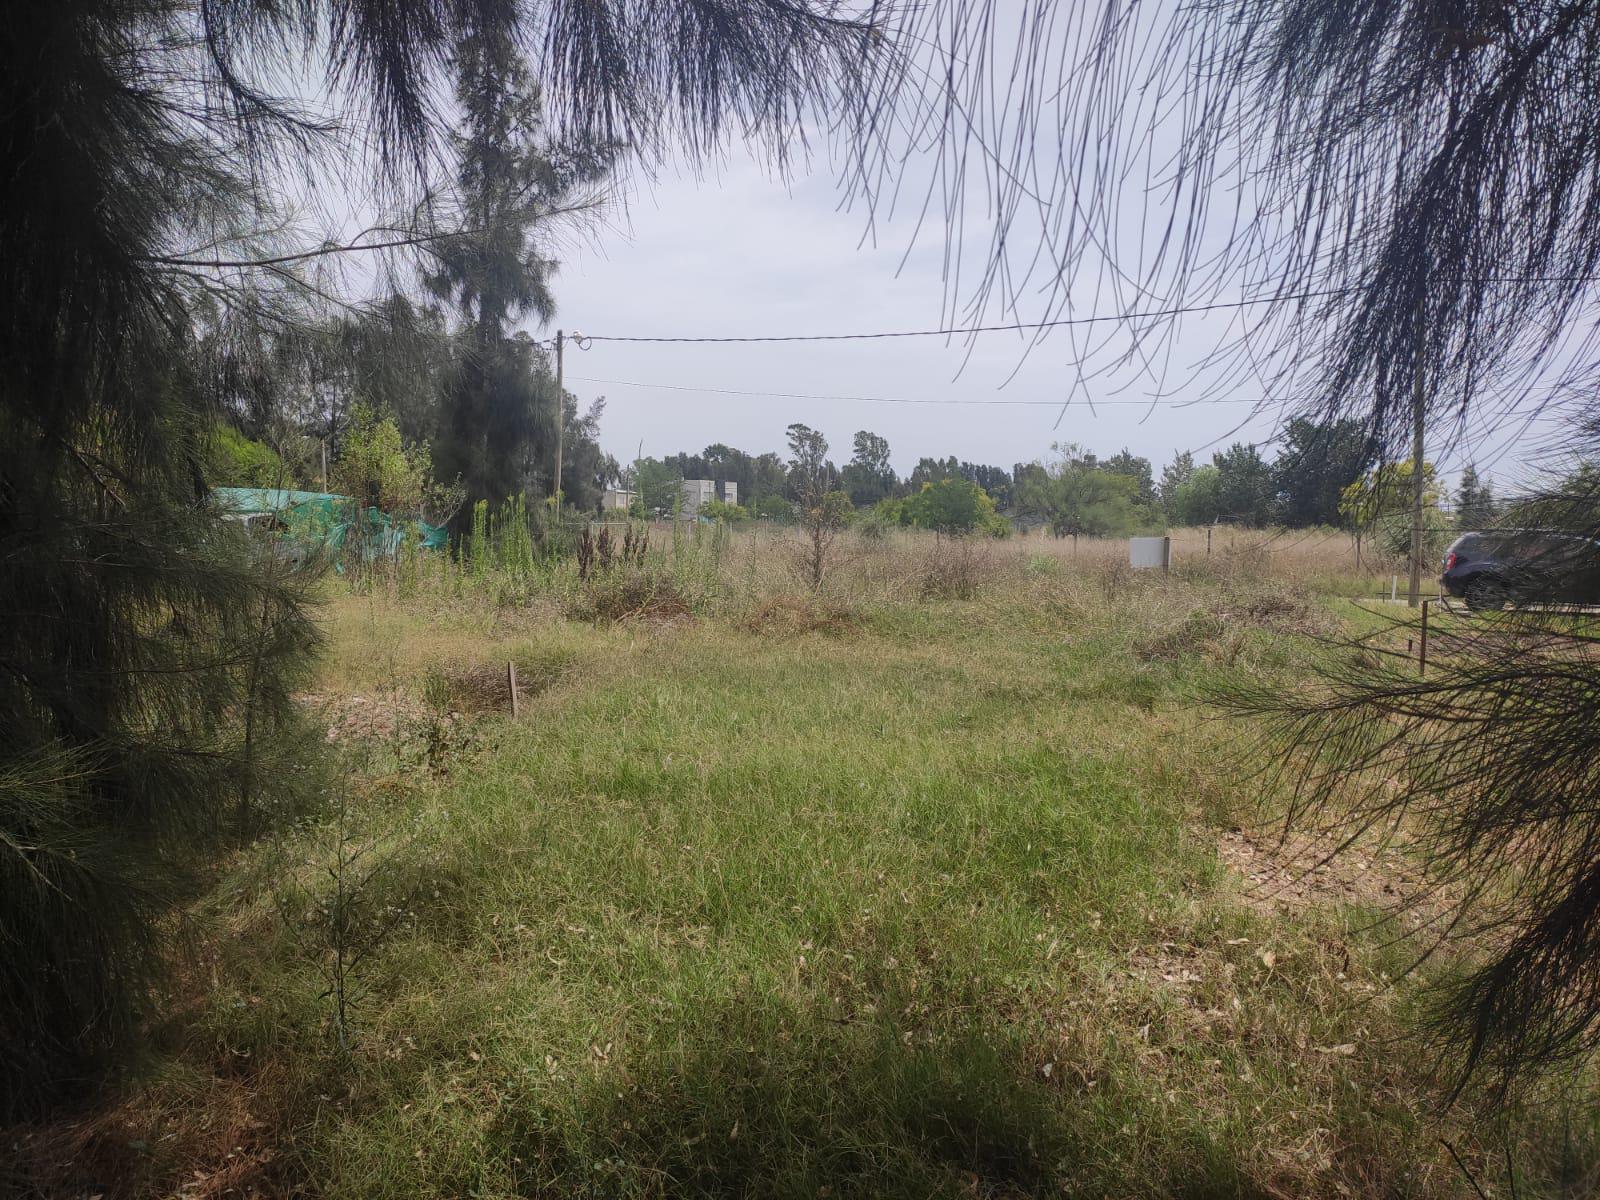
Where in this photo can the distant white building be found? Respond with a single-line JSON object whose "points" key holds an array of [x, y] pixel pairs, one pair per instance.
{"points": [[616, 500], [695, 493], [702, 491]]}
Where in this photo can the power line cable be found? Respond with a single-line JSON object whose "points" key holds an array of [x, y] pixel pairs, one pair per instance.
{"points": [[583, 339], [679, 387], [1017, 327]]}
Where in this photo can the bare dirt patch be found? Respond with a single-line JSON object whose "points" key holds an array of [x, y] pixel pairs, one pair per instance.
{"points": [[126, 1151], [359, 718], [1302, 870]]}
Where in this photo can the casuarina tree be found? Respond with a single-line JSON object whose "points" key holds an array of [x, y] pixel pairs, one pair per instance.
{"points": [[513, 181], [148, 649], [1405, 196]]}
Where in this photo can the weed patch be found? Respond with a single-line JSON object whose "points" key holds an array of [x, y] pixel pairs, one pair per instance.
{"points": [[954, 569], [791, 615], [630, 595]]}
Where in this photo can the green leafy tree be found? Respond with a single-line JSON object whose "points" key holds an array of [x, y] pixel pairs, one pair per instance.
{"points": [[721, 510], [381, 471], [754, 475], [392, 356], [1381, 501], [1246, 492], [811, 475], [378, 469], [586, 470], [952, 506], [768, 477], [931, 470], [1385, 492], [1134, 467], [868, 477], [1318, 461], [822, 510], [997, 482], [512, 180], [234, 460], [1073, 495], [656, 486], [1173, 476], [1197, 500], [773, 507]]}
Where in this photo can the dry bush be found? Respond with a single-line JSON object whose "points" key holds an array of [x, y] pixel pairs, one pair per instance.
{"points": [[630, 595], [1277, 608], [1116, 579], [1198, 632], [1217, 629], [468, 688], [730, 574], [787, 615], [954, 569]]}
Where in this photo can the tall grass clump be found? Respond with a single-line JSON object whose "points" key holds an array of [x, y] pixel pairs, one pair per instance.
{"points": [[513, 541], [954, 569], [478, 546]]}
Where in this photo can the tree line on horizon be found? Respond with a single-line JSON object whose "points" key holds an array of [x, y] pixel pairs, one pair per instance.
{"points": [[1323, 475]]}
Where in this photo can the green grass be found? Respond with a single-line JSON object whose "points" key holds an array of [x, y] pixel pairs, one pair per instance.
{"points": [[929, 905]]}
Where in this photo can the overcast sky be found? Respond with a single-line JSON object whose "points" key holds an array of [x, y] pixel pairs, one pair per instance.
{"points": [[740, 254], [743, 255]]}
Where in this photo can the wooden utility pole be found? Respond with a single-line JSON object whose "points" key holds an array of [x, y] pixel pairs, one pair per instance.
{"points": [[561, 415], [1414, 591]]}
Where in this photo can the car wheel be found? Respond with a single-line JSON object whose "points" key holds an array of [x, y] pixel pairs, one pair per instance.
{"points": [[1486, 594]]}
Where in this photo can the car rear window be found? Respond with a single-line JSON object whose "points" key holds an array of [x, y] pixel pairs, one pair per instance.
{"points": [[1523, 546]]}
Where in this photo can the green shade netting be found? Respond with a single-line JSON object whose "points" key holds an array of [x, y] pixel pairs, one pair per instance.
{"points": [[326, 519]]}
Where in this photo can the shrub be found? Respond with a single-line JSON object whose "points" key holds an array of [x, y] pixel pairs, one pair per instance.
{"points": [[721, 510], [953, 506], [1199, 629], [953, 570], [598, 555], [822, 521], [773, 507], [788, 615], [630, 594], [1042, 566], [234, 460]]}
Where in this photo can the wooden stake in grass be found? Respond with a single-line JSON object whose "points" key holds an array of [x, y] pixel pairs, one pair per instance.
{"points": [[511, 680], [1422, 647]]}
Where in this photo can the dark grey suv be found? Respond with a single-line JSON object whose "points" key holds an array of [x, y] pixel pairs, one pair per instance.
{"points": [[1491, 570]]}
